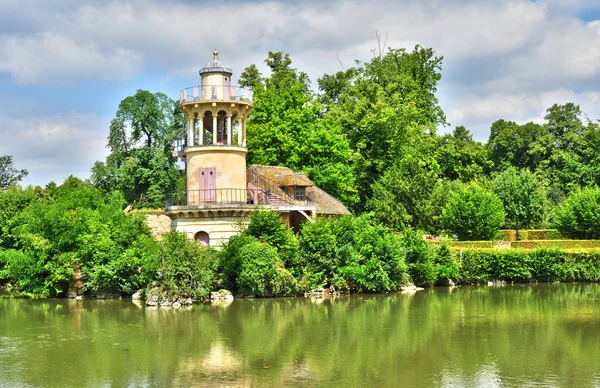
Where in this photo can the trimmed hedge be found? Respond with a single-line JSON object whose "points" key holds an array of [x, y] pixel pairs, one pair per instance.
{"points": [[484, 265], [463, 244], [560, 244], [531, 234]]}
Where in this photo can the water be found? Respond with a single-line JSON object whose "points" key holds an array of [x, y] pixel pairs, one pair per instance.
{"points": [[541, 335]]}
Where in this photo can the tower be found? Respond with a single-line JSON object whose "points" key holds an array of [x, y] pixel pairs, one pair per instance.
{"points": [[220, 191]]}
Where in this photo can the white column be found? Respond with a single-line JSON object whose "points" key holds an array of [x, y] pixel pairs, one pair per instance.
{"points": [[229, 130], [244, 133], [215, 130], [201, 136], [190, 142], [239, 120]]}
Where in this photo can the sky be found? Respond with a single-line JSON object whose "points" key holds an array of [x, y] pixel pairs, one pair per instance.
{"points": [[66, 64]]}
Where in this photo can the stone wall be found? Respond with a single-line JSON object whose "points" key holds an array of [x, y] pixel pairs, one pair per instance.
{"points": [[159, 224]]}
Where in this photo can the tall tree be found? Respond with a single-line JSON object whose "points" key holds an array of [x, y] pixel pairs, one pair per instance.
{"points": [[141, 139], [461, 157], [285, 128], [522, 196], [9, 175], [381, 106]]}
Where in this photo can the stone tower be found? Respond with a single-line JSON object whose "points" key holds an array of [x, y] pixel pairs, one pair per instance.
{"points": [[220, 192]]}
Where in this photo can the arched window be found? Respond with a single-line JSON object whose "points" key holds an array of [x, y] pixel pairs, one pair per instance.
{"points": [[203, 238]]}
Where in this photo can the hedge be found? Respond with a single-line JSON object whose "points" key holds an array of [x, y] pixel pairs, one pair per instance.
{"points": [[531, 234], [561, 244], [484, 265], [464, 244]]}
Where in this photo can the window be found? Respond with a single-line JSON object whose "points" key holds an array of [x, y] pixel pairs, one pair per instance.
{"points": [[299, 193]]}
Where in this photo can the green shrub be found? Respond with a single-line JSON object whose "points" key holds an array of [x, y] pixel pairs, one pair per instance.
{"points": [[351, 253], [528, 265], [579, 215], [561, 244], [473, 213], [187, 269], [258, 268]]}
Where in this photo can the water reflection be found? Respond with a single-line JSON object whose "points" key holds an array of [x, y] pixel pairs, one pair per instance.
{"points": [[466, 336]]}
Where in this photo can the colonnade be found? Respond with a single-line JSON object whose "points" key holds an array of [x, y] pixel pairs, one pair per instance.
{"points": [[229, 119]]}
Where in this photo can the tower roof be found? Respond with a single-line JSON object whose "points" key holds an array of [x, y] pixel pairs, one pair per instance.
{"points": [[216, 66]]}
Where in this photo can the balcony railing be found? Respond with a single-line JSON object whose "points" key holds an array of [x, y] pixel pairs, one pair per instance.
{"points": [[215, 93], [218, 197]]}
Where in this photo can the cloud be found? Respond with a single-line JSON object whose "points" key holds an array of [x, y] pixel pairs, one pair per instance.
{"points": [[52, 148], [505, 58], [47, 57]]}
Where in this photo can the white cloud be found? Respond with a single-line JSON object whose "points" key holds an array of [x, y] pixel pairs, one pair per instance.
{"points": [[54, 147], [48, 57]]}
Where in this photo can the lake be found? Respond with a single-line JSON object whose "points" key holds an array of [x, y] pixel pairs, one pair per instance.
{"points": [[519, 335]]}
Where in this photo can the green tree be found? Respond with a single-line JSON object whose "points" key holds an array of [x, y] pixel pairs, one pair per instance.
{"points": [[141, 138], [579, 215], [285, 129], [400, 197], [473, 213], [522, 196], [460, 157], [9, 175], [384, 107]]}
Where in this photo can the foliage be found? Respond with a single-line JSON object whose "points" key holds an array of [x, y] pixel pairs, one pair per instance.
{"points": [[351, 253], [462, 158], [473, 213], [428, 265], [74, 225], [579, 215], [522, 196], [141, 136], [187, 269], [285, 129], [257, 268], [9, 175], [399, 198], [387, 108], [528, 265]]}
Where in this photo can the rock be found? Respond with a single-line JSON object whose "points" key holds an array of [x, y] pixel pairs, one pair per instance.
{"points": [[447, 282], [151, 303], [410, 289], [221, 295], [166, 303], [490, 283], [138, 295], [176, 305], [79, 297]]}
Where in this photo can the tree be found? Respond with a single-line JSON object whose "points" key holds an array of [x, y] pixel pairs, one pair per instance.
{"points": [[9, 175], [460, 157], [579, 215], [384, 107], [399, 198], [522, 196], [285, 129], [473, 213], [521, 146], [141, 137]]}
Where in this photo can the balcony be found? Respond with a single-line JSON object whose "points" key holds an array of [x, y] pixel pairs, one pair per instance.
{"points": [[215, 93], [231, 198]]}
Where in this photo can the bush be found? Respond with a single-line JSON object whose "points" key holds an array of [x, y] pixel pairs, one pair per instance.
{"points": [[579, 215], [531, 234], [187, 270], [351, 253], [529, 265], [258, 268], [473, 213]]}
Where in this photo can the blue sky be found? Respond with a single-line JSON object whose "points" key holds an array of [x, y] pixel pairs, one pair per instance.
{"points": [[66, 64]]}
